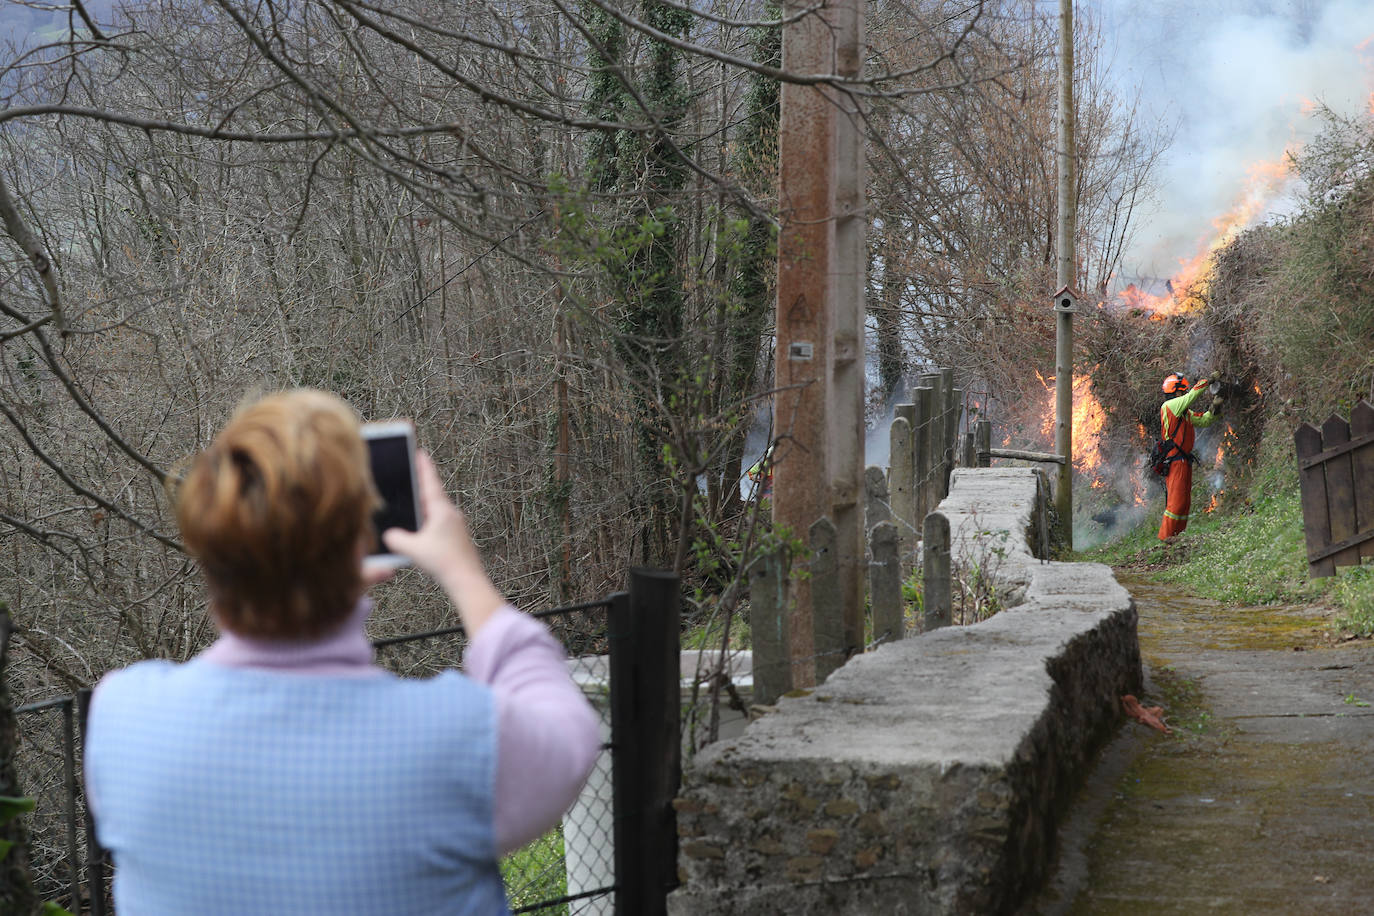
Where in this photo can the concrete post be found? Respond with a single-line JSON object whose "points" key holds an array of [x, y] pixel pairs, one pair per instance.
{"points": [[827, 592], [821, 263], [935, 435], [877, 507], [845, 411], [1065, 242], [952, 422], [924, 466], [982, 433], [909, 412], [885, 583], [948, 422], [768, 620], [806, 143], [900, 486], [936, 591]]}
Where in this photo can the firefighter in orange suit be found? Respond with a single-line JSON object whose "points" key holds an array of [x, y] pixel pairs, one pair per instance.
{"points": [[1178, 421]]}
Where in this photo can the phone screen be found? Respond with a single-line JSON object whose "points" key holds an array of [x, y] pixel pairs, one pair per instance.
{"points": [[394, 474]]}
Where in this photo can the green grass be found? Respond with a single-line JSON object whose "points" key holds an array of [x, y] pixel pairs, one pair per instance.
{"points": [[707, 634], [1182, 696], [1253, 553], [536, 873]]}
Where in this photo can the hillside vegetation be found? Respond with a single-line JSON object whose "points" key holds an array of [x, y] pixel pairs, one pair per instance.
{"points": [[1286, 313]]}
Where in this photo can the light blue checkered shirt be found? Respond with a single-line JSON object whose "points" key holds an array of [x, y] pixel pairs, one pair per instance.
{"points": [[237, 791]]}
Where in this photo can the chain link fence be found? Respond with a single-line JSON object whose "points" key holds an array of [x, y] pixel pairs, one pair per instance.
{"points": [[570, 870]]}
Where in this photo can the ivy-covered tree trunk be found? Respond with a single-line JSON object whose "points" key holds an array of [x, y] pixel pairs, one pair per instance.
{"points": [[653, 319], [605, 93], [644, 168], [16, 884], [754, 274], [887, 320]]}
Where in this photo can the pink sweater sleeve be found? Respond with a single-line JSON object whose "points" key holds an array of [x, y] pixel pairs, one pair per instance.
{"points": [[548, 735]]}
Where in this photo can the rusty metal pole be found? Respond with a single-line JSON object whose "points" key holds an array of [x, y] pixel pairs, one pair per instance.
{"points": [[846, 410], [819, 408], [806, 152], [1063, 351]]}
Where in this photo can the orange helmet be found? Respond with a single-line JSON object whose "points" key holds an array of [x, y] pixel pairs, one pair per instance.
{"points": [[1176, 383]]}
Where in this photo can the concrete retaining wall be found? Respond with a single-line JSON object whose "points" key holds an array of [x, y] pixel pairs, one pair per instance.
{"points": [[927, 776]]}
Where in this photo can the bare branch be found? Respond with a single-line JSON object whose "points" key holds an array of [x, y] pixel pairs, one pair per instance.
{"points": [[38, 258], [79, 399], [77, 488]]}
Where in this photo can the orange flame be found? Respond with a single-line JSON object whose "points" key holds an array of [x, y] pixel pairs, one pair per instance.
{"points": [[1089, 420], [1263, 182]]}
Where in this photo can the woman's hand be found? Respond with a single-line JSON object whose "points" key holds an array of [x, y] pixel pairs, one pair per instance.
{"points": [[444, 549]]}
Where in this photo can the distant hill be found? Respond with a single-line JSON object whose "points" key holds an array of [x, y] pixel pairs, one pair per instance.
{"points": [[21, 25]]}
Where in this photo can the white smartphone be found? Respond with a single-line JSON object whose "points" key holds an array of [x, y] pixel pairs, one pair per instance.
{"points": [[391, 451]]}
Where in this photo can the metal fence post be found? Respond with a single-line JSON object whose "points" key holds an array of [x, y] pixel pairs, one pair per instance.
{"points": [[645, 721], [96, 860], [69, 783]]}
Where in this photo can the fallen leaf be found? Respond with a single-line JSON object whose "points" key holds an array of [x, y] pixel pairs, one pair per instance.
{"points": [[1152, 716]]}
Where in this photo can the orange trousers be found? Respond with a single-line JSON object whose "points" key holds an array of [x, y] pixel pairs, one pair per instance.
{"points": [[1178, 500]]}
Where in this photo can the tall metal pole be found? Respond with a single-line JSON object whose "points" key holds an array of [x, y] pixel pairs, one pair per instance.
{"points": [[806, 153], [1063, 351], [818, 411], [846, 410]]}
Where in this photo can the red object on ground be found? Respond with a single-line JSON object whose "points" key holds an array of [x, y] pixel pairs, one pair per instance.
{"points": [[1152, 716]]}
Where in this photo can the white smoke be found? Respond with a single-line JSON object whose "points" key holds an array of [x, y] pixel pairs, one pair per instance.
{"points": [[1237, 80]]}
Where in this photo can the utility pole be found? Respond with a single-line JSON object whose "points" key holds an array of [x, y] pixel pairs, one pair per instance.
{"points": [[818, 410], [846, 411], [1064, 308]]}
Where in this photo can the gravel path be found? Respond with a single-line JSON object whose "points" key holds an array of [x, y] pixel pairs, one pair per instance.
{"points": [[1261, 801]]}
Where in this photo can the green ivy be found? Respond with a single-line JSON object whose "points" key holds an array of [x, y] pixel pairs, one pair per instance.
{"points": [[12, 807]]}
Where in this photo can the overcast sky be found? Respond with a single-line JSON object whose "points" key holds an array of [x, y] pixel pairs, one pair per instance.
{"points": [[1235, 76]]}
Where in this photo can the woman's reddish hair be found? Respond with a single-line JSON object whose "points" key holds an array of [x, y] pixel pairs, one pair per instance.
{"points": [[275, 510]]}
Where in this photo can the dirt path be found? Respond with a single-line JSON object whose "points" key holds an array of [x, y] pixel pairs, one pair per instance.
{"points": [[1262, 801]]}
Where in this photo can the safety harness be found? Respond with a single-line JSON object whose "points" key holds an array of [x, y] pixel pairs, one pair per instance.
{"points": [[1163, 454]]}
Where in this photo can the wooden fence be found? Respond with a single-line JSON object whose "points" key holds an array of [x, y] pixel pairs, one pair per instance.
{"points": [[1336, 471]]}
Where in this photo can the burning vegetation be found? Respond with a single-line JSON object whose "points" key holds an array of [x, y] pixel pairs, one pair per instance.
{"points": [[1135, 338]]}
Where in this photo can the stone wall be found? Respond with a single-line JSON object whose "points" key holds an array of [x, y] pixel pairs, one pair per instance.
{"points": [[928, 776]]}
